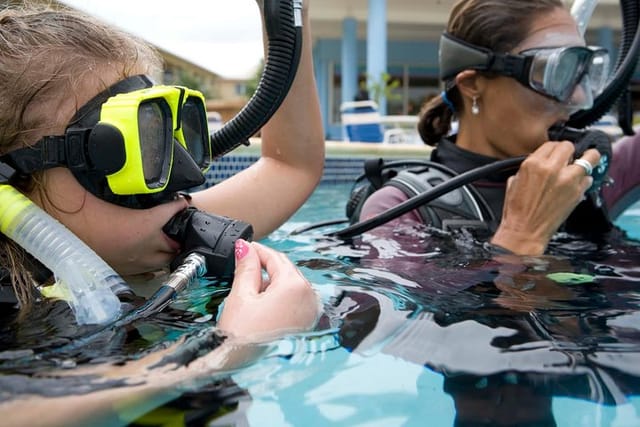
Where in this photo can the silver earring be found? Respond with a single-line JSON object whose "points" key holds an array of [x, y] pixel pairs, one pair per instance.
{"points": [[475, 109]]}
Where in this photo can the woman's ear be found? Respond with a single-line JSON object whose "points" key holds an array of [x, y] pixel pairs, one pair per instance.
{"points": [[469, 84]]}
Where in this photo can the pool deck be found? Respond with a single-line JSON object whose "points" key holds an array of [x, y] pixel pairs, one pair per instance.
{"points": [[349, 149], [343, 160]]}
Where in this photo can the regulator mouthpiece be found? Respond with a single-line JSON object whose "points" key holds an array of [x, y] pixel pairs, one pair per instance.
{"points": [[211, 236], [584, 140]]}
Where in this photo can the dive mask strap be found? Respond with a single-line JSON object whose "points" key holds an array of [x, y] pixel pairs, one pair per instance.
{"points": [[457, 55], [89, 114], [49, 152], [69, 150]]}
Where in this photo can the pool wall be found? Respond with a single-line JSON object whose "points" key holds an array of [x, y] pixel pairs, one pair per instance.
{"points": [[343, 160]]}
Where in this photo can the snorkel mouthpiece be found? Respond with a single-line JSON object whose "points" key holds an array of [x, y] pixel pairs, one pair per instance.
{"points": [[211, 236]]}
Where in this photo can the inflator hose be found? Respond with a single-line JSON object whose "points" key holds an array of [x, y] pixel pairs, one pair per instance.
{"points": [[624, 68], [89, 285], [583, 140], [424, 198], [283, 22]]}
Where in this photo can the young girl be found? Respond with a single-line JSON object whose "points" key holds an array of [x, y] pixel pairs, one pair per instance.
{"points": [[59, 72], [54, 62]]}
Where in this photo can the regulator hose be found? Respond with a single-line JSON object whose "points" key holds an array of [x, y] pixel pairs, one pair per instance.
{"points": [[283, 22], [624, 68], [423, 198]]}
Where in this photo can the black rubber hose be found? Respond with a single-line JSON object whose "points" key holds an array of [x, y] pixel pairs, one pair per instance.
{"points": [[625, 67], [426, 197], [583, 140], [283, 55]]}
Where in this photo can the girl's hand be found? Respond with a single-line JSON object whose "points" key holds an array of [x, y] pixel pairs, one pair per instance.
{"points": [[259, 307], [541, 196]]}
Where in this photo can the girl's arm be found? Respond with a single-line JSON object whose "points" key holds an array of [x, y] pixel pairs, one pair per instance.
{"points": [[271, 190]]}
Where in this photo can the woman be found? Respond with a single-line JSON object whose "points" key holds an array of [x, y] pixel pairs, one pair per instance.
{"points": [[506, 110]]}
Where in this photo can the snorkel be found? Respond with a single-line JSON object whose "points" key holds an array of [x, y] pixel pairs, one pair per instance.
{"points": [[87, 283], [283, 23]]}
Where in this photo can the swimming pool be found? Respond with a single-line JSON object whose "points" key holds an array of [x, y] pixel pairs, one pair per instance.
{"points": [[417, 348], [423, 334]]}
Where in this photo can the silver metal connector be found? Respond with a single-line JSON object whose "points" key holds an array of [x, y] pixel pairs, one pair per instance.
{"points": [[297, 12]]}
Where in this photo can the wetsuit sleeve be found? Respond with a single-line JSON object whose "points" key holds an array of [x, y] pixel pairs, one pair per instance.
{"points": [[386, 198], [625, 174]]}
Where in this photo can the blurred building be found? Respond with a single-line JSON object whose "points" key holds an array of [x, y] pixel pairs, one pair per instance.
{"points": [[359, 42], [361, 46], [227, 96]]}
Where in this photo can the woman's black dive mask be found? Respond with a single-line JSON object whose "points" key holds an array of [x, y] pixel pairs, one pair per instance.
{"points": [[570, 75]]}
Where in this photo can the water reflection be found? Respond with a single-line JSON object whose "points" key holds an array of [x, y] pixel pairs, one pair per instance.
{"points": [[509, 335], [417, 330]]}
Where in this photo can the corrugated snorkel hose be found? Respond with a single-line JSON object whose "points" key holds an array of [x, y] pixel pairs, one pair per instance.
{"points": [[86, 281], [624, 68], [283, 21]]}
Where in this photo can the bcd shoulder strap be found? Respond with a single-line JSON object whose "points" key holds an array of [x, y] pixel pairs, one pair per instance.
{"points": [[462, 207]]}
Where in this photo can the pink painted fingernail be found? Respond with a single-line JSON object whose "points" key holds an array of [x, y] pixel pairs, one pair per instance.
{"points": [[241, 249]]}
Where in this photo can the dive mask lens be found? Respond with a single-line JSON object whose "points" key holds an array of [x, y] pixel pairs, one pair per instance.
{"points": [[559, 72], [195, 131], [156, 137], [150, 120]]}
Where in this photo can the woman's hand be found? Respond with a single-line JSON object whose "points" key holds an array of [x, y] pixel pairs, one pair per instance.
{"points": [[259, 308], [541, 196]]}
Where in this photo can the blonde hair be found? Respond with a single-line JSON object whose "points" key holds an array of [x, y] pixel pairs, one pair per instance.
{"points": [[48, 54]]}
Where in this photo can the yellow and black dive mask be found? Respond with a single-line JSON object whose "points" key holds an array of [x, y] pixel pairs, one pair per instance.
{"points": [[135, 144]]}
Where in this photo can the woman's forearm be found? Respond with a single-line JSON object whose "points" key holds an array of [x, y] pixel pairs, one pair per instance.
{"points": [[271, 190]]}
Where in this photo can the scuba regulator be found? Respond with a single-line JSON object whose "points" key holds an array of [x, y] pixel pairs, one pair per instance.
{"points": [[211, 236], [207, 250], [208, 241], [584, 140]]}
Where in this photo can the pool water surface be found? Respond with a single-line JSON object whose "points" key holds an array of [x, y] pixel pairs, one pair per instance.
{"points": [[431, 334], [418, 329]]}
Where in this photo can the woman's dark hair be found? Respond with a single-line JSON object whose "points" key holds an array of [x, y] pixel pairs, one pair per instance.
{"points": [[499, 25]]}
